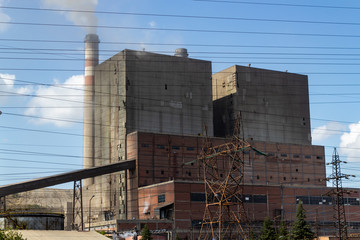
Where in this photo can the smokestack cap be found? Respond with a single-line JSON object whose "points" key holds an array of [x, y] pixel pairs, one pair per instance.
{"points": [[92, 38], [181, 52]]}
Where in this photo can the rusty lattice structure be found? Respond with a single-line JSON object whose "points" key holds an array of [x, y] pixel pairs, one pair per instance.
{"points": [[223, 166]]}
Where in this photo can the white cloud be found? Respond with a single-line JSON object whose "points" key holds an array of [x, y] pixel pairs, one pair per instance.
{"points": [[350, 143], [328, 130], [78, 18], [152, 24], [63, 101], [7, 87], [4, 19]]}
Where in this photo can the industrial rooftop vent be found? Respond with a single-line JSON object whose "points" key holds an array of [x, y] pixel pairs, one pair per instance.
{"points": [[181, 52]]}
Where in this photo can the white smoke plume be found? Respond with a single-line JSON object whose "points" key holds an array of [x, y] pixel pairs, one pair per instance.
{"points": [[78, 18]]}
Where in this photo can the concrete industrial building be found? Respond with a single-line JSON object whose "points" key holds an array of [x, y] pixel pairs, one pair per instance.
{"points": [[274, 105], [152, 108]]}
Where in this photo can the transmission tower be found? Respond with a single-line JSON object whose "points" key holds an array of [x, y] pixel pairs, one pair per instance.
{"points": [[338, 196], [223, 168]]}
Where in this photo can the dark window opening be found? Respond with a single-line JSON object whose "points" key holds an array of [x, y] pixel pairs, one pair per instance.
{"points": [[307, 156], [257, 177], [296, 156], [190, 148], [319, 157], [283, 155], [197, 197], [147, 171], [165, 86], [175, 147], [162, 172], [160, 146], [145, 145], [308, 179], [297, 170], [161, 198], [284, 178]]}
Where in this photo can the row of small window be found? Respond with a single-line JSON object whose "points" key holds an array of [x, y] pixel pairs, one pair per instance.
{"points": [[200, 197], [162, 172], [270, 154], [159, 146], [325, 200]]}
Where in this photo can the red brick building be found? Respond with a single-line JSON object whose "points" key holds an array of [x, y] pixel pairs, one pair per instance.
{"points": [[168, 183]]}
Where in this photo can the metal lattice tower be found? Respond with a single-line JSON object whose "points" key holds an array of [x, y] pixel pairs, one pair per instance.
{"points": [[223, 167], [78, 218], [338, 196]]}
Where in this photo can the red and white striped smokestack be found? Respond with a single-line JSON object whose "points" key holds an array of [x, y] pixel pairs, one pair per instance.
{"points": [[91, 60]]}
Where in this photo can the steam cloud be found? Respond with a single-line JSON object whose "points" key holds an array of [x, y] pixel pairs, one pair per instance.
{"points": [[78, 18]]}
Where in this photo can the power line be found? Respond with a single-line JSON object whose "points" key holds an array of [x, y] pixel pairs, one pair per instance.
{"points": [[183, 44], [186, 30], [182, 16], [281, 4]]}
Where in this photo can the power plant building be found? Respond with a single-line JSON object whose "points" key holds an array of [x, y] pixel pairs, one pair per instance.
{"points": [[274, 105], [153, 108]]}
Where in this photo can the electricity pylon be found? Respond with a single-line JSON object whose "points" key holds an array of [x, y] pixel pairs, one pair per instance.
{"points": [[338, 196], [223, 167]]}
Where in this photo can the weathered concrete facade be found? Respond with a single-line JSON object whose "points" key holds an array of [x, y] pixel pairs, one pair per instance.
{"points": [[274, 105], [142, 91]]}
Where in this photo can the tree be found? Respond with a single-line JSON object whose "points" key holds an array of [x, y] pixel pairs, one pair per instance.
{"points": [[11, 235], [268, 231], [145, 233], [283, 231], [301, 229]]}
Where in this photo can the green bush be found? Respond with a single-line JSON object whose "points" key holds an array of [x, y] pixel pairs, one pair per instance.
{"points": [[11, 235]]}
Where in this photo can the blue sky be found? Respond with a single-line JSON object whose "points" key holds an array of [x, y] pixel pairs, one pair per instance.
{"points": [[41, 65]]}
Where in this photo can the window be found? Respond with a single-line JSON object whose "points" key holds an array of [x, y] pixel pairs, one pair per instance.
{"points": [[162, 172], [165, 86], [175, 147], [284, 178], [319, 157], [259, 199], [197, 197], [283, 155], [145, 145], [255, 198], [161, 198], [160, 146], [307, 156], [189, 148], [296, 156]]}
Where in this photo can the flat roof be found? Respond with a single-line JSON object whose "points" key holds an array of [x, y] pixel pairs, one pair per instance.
{"points": [[68, 235]]}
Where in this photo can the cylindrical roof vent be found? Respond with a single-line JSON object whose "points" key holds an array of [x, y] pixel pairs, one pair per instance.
{"points": [[181, 52]]}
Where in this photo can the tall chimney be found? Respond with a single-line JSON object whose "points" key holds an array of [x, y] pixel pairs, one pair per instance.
{"points": [[91, 60]]}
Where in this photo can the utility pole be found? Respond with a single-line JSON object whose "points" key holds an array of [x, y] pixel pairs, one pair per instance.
{"points": [[338, 196]]}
